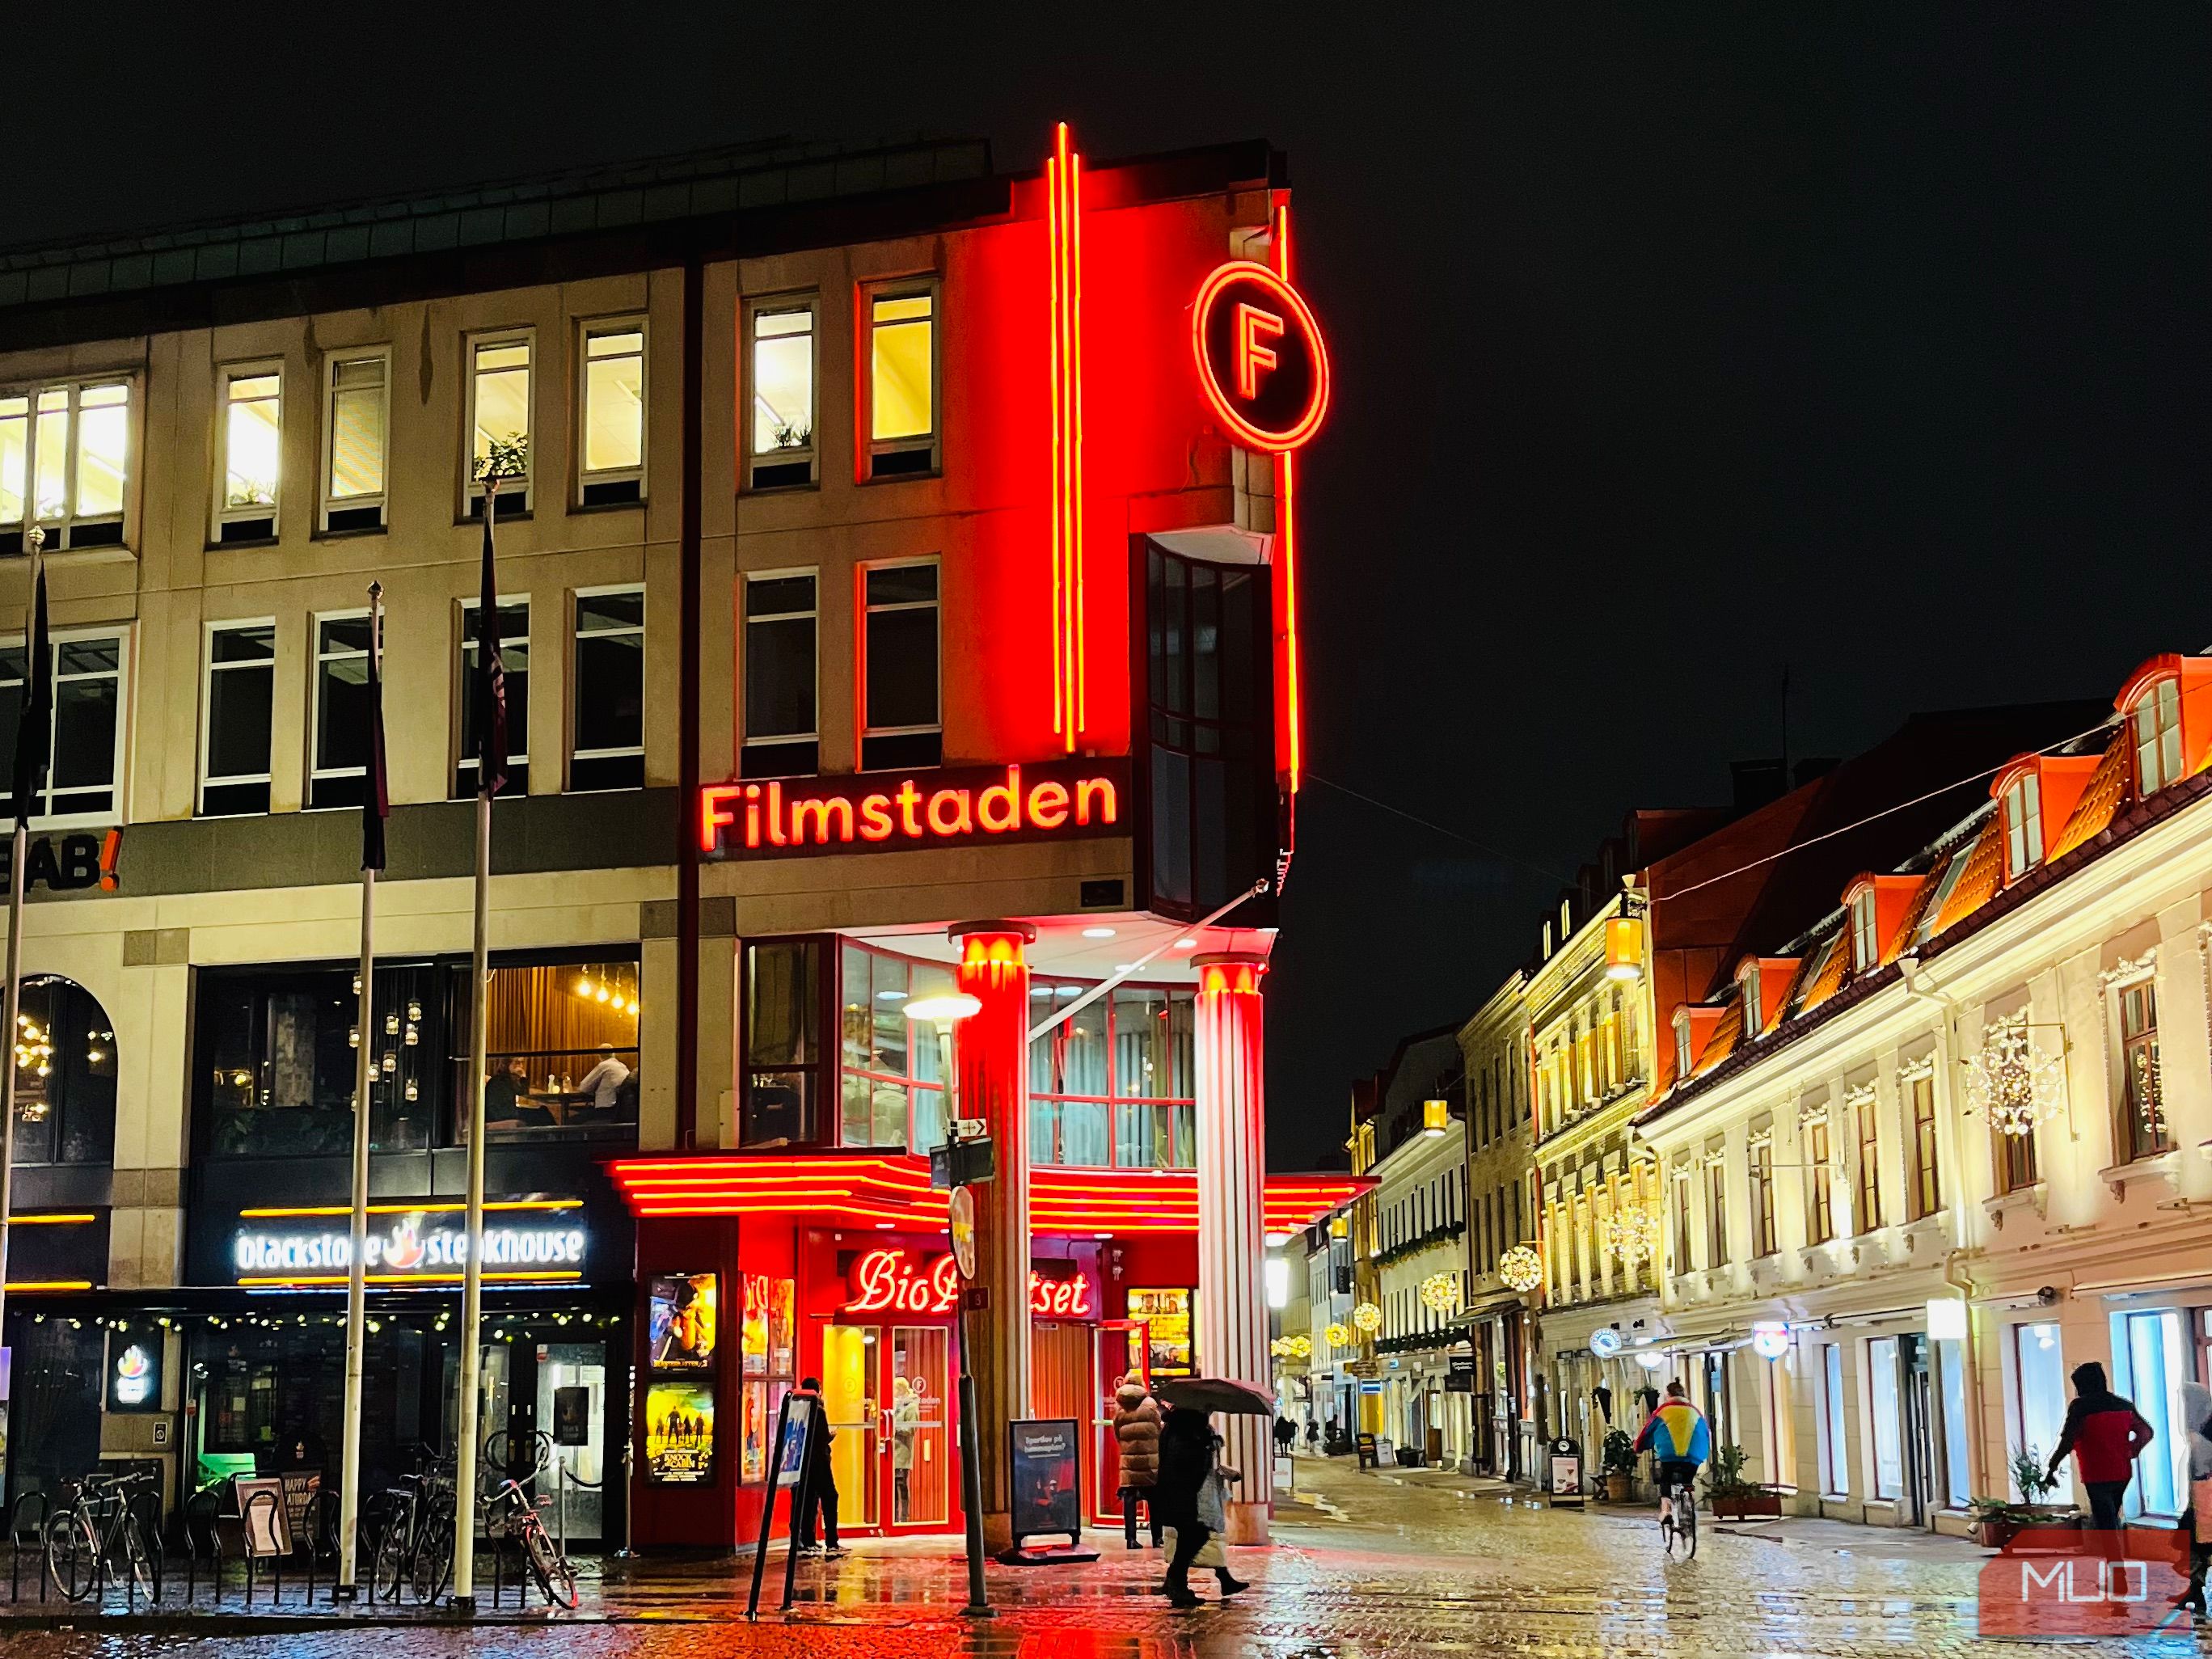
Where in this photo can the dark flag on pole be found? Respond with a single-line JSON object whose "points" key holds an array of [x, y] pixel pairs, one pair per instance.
{"points": [[489, 690], [35, 733], [376, 802]]}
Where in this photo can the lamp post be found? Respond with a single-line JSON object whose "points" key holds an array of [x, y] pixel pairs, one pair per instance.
{"points": [[942, 1012]]}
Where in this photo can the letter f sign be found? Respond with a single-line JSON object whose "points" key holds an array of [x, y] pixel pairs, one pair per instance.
{"points": [[1254, 327]]}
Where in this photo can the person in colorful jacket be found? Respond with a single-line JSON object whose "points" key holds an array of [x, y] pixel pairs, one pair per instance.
{"points": [[2104, 1432], [1677, 1435]]}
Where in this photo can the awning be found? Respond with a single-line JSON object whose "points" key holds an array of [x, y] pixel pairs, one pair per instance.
{"points": [[893, 1191]]}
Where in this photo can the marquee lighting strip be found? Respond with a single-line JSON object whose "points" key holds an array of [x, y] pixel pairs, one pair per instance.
{"points": [[312, 1281], [46, 1283], [1286, 514], [290, 1212], [1063, 179], [69, 1218]]}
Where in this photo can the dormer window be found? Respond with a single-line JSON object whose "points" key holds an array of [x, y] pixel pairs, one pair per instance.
{"points": [[1754, 1004], [1684, 1059], [1866, 941], [2157, 722], [2023, 825]]}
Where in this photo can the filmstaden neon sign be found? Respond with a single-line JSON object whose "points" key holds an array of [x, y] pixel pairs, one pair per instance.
{"points": [[891, 1281], [925, 808]]}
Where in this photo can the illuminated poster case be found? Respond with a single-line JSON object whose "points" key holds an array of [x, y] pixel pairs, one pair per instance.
{"points": [[682, 1333]]}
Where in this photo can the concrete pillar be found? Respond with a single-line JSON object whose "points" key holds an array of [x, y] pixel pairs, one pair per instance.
{"points": [[990, 1050], [1232, 1302]]}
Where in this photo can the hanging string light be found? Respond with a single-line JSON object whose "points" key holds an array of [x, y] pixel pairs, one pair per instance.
{"points": [[2014, 1083], [1522, 1268]]}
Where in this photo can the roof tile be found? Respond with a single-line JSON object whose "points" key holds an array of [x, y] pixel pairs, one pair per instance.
{"points": [[2101, 797]]}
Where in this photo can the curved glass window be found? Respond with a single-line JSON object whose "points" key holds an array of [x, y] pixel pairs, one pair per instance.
{"points": [[65, 1075]]}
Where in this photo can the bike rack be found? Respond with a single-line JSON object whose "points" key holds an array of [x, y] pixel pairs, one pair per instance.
{"points": [[146, 1501], [205, 1507], [15, 1540], [276, 1562], [321, 1507]]}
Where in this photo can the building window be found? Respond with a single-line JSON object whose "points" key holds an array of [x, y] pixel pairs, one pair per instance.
{"points": [[2023, 815], [560, 1050], [2016, 1166], [2158, 736], [900, 668], [1866, 947], [1753, 1007], [2142, 1093], [64, 460], [1761, 1161], [1888, 1427], [1866, 1175], [1835, 1440], [1684, 1259], [2040, 1372], [339, 772], [253, 462], [1683, 1058], [239, 699], [782, 423], [1115, 1083], [783, 1045], [65, 1074], [1819, 1196], [891, 1074], [514, 664], [902, 382], [356, 441], [82, 785], [611, 457], [780, 621], [499, 413], [1717, 1238], [1924, 1187], [607, 712]]}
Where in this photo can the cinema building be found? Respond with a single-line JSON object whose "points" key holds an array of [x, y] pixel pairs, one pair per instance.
{"points": [[900, 599]]}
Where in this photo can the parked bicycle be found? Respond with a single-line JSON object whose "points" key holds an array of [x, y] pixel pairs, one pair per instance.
{"points": [[416, 1547], [556, 1574], [97, 1535]]}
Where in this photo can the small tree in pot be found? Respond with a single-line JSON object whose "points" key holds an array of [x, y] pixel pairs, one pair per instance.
{"points": [[1732, 1497], [1997, 1520], [1619, 1463]]}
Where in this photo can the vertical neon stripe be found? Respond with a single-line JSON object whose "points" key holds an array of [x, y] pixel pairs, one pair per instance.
{"points": [[1287, 543], [1063, 174], [1052, 258]]}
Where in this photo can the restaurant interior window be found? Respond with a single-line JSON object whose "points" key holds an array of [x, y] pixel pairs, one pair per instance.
{"points": [[252, 437], [2142, 1100], [781, 740], [2039, 1371], [783, 395], [79, 504], [339, 774], [560, 1051], [354, 436], [611, 456], [902, 383], [240, 699], [66, 1070], [900, 661], [2153, 1355], [607, 714], [88, 728], [515, 663], [891, 1074], [1112, 1085], [499, 413], [782, 1042]]}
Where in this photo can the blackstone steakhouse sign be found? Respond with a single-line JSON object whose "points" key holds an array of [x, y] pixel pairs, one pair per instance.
{"points": [[417, 1246]]}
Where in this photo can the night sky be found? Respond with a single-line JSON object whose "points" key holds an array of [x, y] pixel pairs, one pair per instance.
{"points": [[1673, 347]]}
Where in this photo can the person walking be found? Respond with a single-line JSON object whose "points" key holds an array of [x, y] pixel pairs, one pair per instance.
{"points": [[2196, 1414], [1188, 1497], [2104, 1432], [1137, 1433], [1287, 1436], [821, 1482]]}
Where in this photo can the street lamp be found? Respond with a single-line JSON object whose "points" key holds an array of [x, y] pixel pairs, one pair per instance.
{"points": [[943, 1011]]}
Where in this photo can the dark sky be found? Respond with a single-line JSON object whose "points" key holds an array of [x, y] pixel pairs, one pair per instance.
{"points": [[1672, 345]]}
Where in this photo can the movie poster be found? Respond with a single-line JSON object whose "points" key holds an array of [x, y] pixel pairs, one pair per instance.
{"points": [[679, 1433], [1166, 1314], [682, 1315]]}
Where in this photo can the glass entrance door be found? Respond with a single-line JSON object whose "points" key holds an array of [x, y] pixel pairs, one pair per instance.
{"points": [[915, 1441], [849, 1399]]}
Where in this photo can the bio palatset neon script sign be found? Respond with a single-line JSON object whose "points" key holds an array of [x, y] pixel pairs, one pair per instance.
{"points": [[879, 811]]}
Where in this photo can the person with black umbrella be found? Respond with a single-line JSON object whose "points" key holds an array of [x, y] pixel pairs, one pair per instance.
{"points": [[1188, 1497]]}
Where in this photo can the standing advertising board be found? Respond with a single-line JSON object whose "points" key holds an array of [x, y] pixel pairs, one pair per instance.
{"points": [[1566, 1462], [1044, 1456]]}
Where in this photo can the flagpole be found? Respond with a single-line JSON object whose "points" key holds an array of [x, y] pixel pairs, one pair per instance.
{"points": [[356, 1324], [34, 538]]}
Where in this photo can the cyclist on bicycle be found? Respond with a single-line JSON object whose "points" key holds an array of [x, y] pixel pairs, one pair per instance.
{"points": [[1677, 1435]]}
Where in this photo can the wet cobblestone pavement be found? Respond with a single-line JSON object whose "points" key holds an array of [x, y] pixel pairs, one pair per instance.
{"points": [[1376, 1565]]}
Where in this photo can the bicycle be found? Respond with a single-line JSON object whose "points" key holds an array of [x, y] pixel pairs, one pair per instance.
{"points": [[556, 1574], [1679, 1527], [95, 1530], [416, 1547]]}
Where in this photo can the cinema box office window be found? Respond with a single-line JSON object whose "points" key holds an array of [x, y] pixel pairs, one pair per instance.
{"points": [[274, 1056]]}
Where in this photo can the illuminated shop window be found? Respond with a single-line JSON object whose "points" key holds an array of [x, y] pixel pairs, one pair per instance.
{"points": [[251, 432], [514, 664], [891, 1075], [903, 434], [1112, 1085], [355, 441], [901, 668], [65, 461], [780, 740], [611, 456], [337, 774], [83, 785], [239, 698], [782, 395], [606, 715], [499, 413], [560, 1051]]}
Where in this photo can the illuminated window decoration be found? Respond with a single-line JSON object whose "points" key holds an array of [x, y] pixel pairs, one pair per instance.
{"points": [[1338, 1334], [1063, 179], [1367, 1319], [1521, 1268], [2013, 1082], [1440, 1293], [1633, 1232]]}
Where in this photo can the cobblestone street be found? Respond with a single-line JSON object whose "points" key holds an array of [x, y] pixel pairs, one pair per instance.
{"points": [[1373, 1564]]}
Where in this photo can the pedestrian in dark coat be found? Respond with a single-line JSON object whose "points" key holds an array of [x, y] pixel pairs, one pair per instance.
{"points": [[1181, 1500], [1137, 1433], [2104, 1432]]}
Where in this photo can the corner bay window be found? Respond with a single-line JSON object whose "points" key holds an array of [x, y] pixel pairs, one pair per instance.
{"points": [[239, 700], [607, 688], [780, 740], [64, 460], [891, 1075], [1113, 1085], [87, 748], [900, 666], [782, 424], [514, 664]]}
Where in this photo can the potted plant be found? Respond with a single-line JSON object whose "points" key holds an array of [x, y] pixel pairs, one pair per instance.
{"points": [[1732, 1497], [1997, 1521], [1618, 1455]]}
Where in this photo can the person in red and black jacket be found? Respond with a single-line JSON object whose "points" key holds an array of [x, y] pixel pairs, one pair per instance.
{"points": [[2104, 1432]]}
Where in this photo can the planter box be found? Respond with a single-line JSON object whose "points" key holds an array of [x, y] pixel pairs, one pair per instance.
{"points": [[1747, 1506], [1620, 1488]]}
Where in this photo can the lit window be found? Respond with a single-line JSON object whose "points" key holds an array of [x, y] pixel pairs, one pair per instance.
{"points": [[902, 384], [83, 785], [1754, 1006], [1683, 1058], [2142, 1096], [2023, 814], [613, 448], [1866, 1173], [339, 773], [355, 433], [780, 740], [607, 686], [1924, 1188], [253, 424], [901, 668], [239, 697], [79, 505], [1866, 946], [783, 395], [1820, 1220], [514, 665], [1717, 1238], [499, 413], [2158, 736]]}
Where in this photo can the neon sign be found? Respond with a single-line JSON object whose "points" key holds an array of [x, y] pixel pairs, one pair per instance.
{"points": [[1051, 799], [892, 1281], [1261, 356], [416, 1246]]}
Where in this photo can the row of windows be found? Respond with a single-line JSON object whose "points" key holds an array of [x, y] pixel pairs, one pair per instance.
{"points": [[900, 670], [1589, 1058], [1424, 1210], [65, 447]]}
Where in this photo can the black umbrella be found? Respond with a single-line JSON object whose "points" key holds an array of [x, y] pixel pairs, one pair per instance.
{"points": [[1217, 1394]]}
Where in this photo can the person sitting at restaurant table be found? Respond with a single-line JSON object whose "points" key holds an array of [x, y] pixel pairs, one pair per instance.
{"points": [[603, 1080], [508, 1104]]}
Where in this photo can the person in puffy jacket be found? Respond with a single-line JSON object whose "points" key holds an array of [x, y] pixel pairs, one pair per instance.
{"points": [[1137, 1433], [2104, 1432], [1679, 1439]]}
